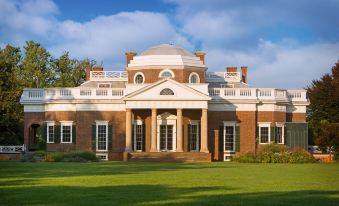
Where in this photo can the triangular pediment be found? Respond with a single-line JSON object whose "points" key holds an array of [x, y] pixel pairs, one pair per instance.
{"points": [[161, 90]]}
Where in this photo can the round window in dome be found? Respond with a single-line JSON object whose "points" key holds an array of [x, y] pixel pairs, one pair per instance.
{"points": [[194, 78], [166, 74], [139, 78]]}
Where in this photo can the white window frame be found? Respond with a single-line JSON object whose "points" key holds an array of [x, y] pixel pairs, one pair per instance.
{"points": [[110, 85], [197, 123], [135, 76], [50, 124], [266, 124], [66, 123], [198, 78], [97, 124], [282, 125], [166, 70], [229, 124], [105, 155], [137, 122]]}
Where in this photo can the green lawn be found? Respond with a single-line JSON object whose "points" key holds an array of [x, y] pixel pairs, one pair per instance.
{"points": [[121, 183]]}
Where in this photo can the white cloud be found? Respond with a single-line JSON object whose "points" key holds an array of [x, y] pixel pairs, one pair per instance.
{"points": [[277, 65], [107, 38]]}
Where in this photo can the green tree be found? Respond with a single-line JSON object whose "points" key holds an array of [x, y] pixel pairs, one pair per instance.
{"points": [[11, 112], [69, 72], [36, 70], [323, 112]]}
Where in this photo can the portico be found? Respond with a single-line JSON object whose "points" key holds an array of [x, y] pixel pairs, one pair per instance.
{"points": [[166, 113]]}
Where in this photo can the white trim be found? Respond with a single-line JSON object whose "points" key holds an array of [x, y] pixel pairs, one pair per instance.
{"points": [[167, 119], [198, 78], [102, 154], [97, 124], [50, 124], [143, 77], [265, 124], [229, 124], [137, 122], [166, 70], [196, 123], [66, 123]]}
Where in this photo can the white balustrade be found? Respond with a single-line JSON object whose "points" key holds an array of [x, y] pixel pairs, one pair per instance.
{"points": [[12, 149], [223, 77], [108, 75]]}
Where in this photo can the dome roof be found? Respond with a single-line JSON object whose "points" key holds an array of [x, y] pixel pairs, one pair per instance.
{"points": [[166, 49]]}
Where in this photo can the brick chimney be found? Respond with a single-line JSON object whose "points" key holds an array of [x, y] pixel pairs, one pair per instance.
{"points": [[201, 55], [129, 57], [88, 72], [244, 74], [231, 69]]}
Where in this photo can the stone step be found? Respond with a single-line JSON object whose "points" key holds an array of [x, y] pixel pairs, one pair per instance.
{"points": [[169, 157]]}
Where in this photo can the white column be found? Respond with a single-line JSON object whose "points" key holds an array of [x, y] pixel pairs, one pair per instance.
{"points": [[204, 140], [179, 130], [154, 131], [128, 130]]}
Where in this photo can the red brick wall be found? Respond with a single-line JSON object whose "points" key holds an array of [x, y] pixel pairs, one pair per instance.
{"points": [[295, 117], [152, 75]]}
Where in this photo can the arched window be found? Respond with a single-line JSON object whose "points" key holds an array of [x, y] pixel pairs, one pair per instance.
{"points": [[166, 91], [139, 78], [166, 74], [194, 78]]}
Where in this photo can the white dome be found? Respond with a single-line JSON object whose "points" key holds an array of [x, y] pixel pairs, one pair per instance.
{"points": [[166, 49]]}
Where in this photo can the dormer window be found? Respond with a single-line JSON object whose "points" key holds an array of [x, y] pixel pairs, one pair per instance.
{"points": [[166, 74], [139, 78], [166, 91]]}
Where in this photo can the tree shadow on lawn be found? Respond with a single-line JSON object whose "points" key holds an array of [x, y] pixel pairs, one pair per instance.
{"points": [[159, 195], [52, 169]]}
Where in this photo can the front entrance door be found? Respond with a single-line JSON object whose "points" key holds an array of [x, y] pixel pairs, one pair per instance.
{"points": [[166, 137]]}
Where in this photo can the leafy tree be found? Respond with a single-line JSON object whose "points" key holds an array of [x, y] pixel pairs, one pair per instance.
{"points": [[36, 69], [323, 112], [11, 112], [69, 72]]}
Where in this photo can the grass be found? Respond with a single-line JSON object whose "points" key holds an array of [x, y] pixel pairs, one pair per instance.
{"points": [[121, 183]]}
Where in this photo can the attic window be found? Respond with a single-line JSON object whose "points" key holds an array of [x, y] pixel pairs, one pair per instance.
{"points": [[104, 85], [166, 91]]}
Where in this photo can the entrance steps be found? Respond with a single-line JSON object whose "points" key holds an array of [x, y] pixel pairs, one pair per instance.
{"points": [[169, 157]]}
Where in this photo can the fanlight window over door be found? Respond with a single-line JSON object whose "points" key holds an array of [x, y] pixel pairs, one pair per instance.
{"points": [[166, 91]]}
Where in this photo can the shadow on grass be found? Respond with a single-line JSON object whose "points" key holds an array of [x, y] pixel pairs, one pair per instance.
{"points": [[158, 195], [50, 169]]}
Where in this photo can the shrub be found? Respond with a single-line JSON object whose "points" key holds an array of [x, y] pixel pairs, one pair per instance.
{"points": [[76, 156], [31, 157], [274, 153]]}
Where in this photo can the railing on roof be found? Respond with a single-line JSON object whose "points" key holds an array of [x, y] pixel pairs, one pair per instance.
{"points": [[258, 94], [12, 149], [71, 93], [108, 76], [223, 77]]}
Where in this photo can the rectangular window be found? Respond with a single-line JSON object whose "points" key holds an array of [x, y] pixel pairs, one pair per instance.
{"points": [[66, 132], [138, 136], [102, 135], [264, 133], [50, 132], [229, 137], [280, 134], [194, 135]]}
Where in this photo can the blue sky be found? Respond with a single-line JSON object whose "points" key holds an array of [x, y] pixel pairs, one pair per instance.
{"points": [[284, 43]]}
